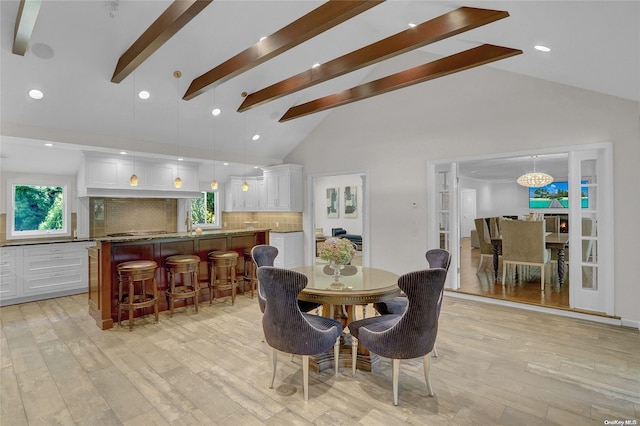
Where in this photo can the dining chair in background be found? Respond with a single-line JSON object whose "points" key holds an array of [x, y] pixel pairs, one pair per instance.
{"points": [[289, 330], [407, 336], [523, 244], [485, 229]]}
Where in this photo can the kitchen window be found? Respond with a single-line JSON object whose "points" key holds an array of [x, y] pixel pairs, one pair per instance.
{"points": [[205, 211], [38, 209]]}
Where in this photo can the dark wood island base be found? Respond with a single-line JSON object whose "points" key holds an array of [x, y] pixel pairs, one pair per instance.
{"points": [[110, 251]]}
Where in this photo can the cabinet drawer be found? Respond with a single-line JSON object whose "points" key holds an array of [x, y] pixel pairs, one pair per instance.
{"points": [[8, 287], [6, 254], [54, 263], [52, 282], [50, 249], [7, 263], [7, 273]]}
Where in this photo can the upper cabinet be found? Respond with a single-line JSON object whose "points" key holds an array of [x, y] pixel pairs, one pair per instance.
{"points": [[283, 186], [107, 175], [278, 189], [237, 200]]}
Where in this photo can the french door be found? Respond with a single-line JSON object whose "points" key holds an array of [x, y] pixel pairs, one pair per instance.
{"points": [[591, 230]]}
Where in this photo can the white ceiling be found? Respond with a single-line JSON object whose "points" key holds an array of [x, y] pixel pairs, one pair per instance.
{"points": [[595, 46]]}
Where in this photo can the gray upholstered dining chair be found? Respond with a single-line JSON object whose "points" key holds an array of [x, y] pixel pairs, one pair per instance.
{"points": [[265, 255], [437, 258], [289, 330], [523, 244], [407, 336]]}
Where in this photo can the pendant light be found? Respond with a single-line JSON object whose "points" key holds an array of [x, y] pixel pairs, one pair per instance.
{"points": [[534, 179], [133, 180], [245, 184], [177, 182], [214, 112]]}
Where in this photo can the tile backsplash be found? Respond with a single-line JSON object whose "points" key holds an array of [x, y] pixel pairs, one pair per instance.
{"points": [[112, 215], [284, 221]]}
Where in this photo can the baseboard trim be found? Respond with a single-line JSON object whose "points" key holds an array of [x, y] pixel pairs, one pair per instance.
{"points": [[559, 312]]}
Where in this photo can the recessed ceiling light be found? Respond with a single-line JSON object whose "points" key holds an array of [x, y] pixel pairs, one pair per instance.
{"points": [[180, 159], [316, 65], [48, 145], [123, 152], [143, 94], [215, 112], [412, 25], [255, 137], [256, 167], [263, 37], [225, 164], [36, 94], [542, 48]]}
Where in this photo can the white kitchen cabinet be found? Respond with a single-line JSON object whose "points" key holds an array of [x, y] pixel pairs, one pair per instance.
{"points": [[8, 277], [290, 248], [103, 175], [42, 271], [237, 200], [283, 187]]}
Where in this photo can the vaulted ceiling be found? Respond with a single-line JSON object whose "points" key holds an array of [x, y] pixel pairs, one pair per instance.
{"points": [[90, 58]]}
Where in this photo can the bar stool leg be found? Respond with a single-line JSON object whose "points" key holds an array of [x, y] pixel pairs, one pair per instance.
{"points": [[131, 295], [194, 282], [234, 284], [172, 287], [156, 306]]}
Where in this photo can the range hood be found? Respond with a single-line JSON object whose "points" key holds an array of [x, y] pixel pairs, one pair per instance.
{"points": [[105, 175]]}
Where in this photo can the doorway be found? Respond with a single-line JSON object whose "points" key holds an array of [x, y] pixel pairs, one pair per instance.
{"points": [[339, 200], [586, 169]]}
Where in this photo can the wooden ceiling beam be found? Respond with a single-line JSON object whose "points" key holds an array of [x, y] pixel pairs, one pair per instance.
{"points": [[467, 59], [25, 22], [325, 17], [444, 26], [174, 18]]}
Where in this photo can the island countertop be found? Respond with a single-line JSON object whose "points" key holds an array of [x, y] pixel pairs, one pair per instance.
{"points": [[110, 251], [207, 233]]}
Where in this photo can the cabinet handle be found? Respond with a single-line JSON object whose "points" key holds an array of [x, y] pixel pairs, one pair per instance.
{"points": [[57, 257]]}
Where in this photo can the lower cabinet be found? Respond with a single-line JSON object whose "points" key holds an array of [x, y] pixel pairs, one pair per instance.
{"points": [[290, 248], [42, 271]]}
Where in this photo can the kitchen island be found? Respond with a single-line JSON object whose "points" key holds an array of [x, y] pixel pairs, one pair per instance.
{"points": [[110, 251]]}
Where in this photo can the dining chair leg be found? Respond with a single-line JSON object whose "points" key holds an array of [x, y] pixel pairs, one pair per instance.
{"points": [[274, 360], [305, 376], [336, 354], [354, 354], [435, 351], [395, 372], [542, 278], [427, 373], [505, 266]]}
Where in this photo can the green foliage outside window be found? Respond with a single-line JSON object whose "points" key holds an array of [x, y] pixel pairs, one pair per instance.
{"points": [[38, 208], [203, 209]]}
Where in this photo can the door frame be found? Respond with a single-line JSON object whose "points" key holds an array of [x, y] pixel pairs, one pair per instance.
{"points": [[308, 220], [608, 243]]}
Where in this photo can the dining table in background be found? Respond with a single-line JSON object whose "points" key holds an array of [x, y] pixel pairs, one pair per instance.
{"points": [[552, 240]]}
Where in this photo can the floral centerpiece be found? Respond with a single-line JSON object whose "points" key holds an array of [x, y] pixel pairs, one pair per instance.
{"points": [[338, 251]]}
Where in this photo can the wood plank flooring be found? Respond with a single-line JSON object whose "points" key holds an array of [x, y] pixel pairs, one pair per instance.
{"points": [[497, 366], [482, 283]]}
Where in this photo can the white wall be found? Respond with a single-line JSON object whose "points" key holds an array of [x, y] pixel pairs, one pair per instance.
{"points": [[353, 225], [476, 112]]}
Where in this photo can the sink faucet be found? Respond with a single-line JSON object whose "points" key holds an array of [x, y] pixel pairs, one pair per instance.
{"points": [[188, 222]]}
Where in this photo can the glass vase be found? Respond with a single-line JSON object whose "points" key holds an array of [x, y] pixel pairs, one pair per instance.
{"points": [[337, 267]]}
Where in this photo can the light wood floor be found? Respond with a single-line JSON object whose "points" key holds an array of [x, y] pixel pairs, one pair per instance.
{"points": [[497, 366], [483, 283]]}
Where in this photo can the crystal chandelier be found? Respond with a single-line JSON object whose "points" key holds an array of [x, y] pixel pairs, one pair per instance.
{"points": [[534, 179]]}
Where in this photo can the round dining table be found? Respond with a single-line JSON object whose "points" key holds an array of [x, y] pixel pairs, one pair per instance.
{"points": [[356, 285]]}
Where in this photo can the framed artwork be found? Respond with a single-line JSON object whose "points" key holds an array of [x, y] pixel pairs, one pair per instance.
{"points": [[351, 201], [332, 202]]}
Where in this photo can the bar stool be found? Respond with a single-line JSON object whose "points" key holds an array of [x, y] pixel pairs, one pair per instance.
{"points": [[130, 273], [183, 264], [222, 275], [249, 271]]}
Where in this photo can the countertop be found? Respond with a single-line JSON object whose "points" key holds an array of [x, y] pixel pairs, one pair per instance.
{"points": [[205, 233]]}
